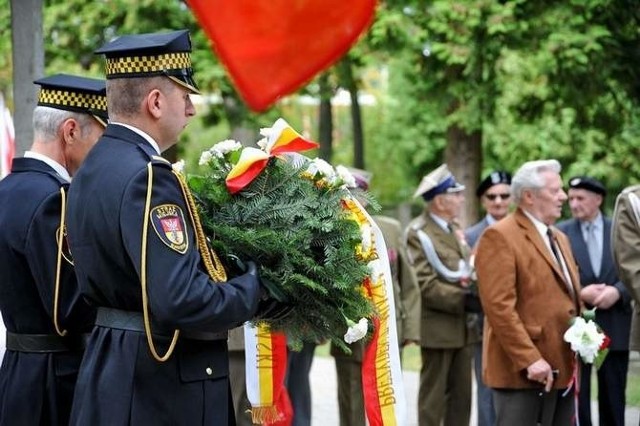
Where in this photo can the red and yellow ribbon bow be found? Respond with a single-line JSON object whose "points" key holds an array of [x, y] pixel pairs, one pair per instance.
{"points": [[281, 139]]}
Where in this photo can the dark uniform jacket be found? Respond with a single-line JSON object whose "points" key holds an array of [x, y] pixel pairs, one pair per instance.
{"points": [[120, 383], [36, 388], [615, 321]]}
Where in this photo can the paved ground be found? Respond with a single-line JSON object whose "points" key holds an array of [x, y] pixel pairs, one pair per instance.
{"points": [[325, 402]]}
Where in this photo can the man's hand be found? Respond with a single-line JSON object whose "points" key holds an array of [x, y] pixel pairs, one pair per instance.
{"points": [[607, 297], [590, 293], [541, 372]]}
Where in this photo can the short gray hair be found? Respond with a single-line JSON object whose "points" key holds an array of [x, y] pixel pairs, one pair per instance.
{"points": [[528, 176], [47, 121]]}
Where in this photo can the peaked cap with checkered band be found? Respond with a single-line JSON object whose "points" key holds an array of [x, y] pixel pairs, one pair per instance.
{"points": [[146, 55], [74, 93]]}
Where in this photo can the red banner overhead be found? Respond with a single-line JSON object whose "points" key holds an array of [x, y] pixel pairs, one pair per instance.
{"points": [[272, 47]]}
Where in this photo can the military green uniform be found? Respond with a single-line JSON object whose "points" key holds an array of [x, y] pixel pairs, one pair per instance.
{"points": [[446, 329], [407, 304]]}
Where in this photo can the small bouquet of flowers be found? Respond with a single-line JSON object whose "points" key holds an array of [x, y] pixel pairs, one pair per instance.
{"points": [[289, 214], [587, 339]]}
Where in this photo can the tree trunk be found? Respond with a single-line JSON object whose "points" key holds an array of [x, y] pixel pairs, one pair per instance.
{"points": [[28, 65], [463, 155], [325, 118], [356, 114]]}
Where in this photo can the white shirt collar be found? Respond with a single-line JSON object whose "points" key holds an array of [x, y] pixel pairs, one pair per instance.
{"points": [[541, 227], [441, 222], [59, 168], [148, 138], [597, 222]]}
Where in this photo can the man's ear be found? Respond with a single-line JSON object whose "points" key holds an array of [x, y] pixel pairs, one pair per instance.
{"points": [[70, 129], [154, 103]]}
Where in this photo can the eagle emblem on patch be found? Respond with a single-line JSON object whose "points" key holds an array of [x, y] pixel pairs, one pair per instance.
{"points": [[66, 251], [168, 222]]}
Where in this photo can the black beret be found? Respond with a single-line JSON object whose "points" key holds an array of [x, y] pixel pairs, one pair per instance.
{"points": [[588, 183], [494, 178]]}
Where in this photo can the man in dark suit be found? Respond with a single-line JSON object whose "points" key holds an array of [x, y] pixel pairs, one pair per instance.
{"points": [[494, 193], [528, 283], [589, 232], [43, 310], [158, 353], [440, 258]]}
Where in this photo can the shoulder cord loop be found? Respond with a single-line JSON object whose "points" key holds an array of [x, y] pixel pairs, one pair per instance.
{"points": [[60, 240], [143, 279], [212, 263]]}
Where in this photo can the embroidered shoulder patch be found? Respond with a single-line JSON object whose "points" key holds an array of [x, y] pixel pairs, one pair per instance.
{"points": [[168, 222]]}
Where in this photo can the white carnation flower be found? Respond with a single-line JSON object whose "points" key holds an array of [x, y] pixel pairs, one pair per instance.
{"points": [[356, 331], [178, 166], [225, 147], [585, 339], [345, 175], [205, 158], [319, 166]]}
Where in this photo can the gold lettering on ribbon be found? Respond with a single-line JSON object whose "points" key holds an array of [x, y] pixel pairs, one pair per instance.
{"points": [[384, 378]]}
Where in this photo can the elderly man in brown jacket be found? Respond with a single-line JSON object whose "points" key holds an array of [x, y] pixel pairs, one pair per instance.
{"points": [[528, 282]]}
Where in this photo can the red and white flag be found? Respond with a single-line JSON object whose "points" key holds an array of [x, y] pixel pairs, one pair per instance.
{"points": [[7, 139]]}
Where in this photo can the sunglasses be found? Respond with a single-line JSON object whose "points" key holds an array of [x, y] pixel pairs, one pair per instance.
{"points": [[492, 197]]}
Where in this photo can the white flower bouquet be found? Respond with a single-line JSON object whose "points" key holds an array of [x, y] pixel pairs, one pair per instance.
{"points": [[587, 339]]}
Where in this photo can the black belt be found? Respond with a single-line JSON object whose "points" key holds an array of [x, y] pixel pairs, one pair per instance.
{"points": [[45, 343], [134, 321]]}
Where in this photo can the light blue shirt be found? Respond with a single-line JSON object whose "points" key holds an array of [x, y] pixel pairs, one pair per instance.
{"points": [[598, 224], [441, 222]]}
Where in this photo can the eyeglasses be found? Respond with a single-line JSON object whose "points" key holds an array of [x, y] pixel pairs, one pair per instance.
{"points": [[492, 197]]}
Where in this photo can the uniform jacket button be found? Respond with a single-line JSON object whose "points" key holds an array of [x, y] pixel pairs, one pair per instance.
{"points": [[209, 371]]}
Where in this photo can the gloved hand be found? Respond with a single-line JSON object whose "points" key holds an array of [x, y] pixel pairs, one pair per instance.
{"points": [[472, 303], [270, 309]]}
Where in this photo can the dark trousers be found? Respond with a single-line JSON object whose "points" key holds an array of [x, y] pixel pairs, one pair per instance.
{"points": [[350, 394], [486, 411], [533, 407], [444, 396], [297, 382], [612, 384]]}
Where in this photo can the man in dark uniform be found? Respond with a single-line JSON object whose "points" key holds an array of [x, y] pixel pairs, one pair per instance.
{"points": [[494, 193], [158, 353], [43, 310], [589, 232]]}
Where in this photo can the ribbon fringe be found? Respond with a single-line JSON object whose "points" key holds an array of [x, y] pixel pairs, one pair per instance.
{"points": [[265, 415]]}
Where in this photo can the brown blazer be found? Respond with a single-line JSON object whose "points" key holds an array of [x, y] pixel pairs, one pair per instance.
{"points": [[526, 301]]}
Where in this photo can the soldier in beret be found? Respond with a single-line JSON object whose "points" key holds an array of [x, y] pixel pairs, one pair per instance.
{"points": [[589, 232], [494, 193], [440, 257], [158, 353], [43, 310]]}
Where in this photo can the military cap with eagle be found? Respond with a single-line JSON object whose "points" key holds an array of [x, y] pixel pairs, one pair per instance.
{"points": [[146, 55], [73, 93], [439, 181]]}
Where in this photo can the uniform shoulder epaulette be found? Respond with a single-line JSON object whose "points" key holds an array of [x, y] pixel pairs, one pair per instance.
{"points": [[153, 156], [418, 223], [632, 188]]}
